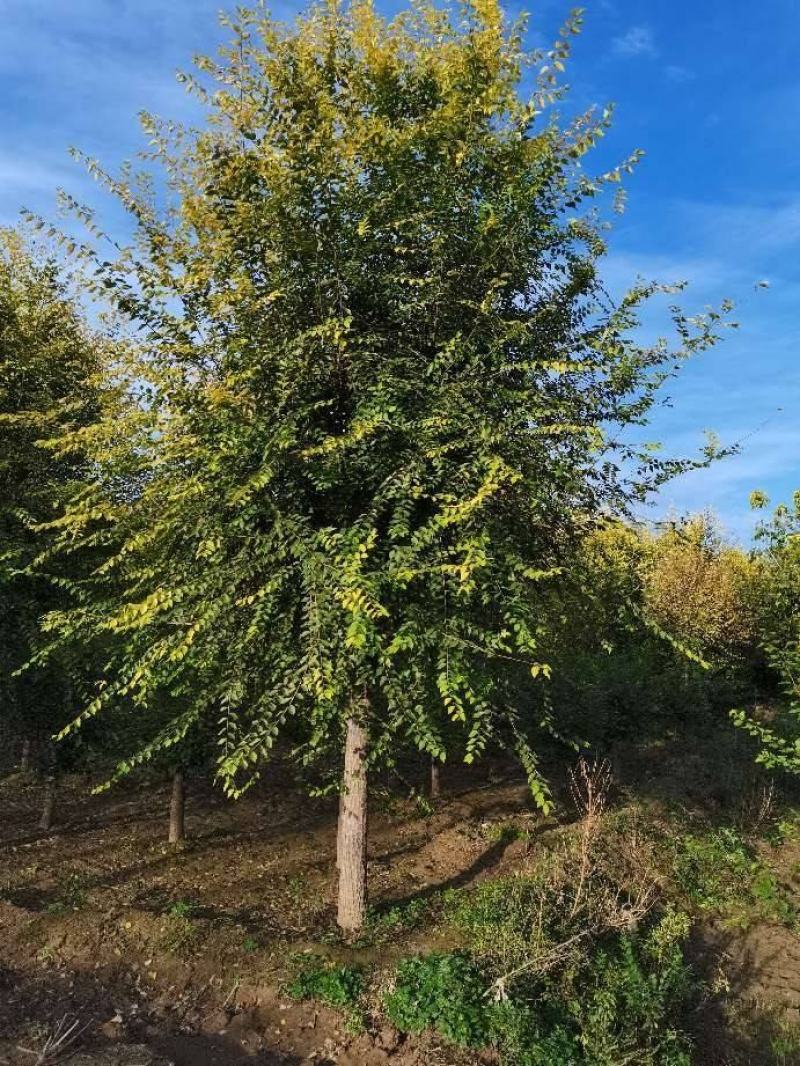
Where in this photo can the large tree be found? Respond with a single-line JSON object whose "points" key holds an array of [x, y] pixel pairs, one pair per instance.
{"points": [[379, 390], [47, 357]]}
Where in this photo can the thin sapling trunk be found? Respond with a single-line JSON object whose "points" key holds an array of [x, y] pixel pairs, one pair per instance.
{"points": [[352, 832], [177, 828], [49, 802], [436, 785]]}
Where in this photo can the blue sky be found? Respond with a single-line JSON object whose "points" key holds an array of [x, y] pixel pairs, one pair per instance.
{"points": [[710, 90]]}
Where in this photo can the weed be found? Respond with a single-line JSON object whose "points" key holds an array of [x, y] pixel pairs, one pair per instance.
{"points": [[181, 908], [617, 1004], [785, 1043], [786, 829], [72, 895], [718, 871], [180, 933], [296, 887], [336, 986], [382, 925], [445, 992], [503, 832], [423, 808]]}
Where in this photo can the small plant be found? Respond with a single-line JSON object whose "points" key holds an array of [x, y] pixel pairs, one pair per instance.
{"points": [[71, 895], [250, 944], [443, 992], [181, 908], [180, 933], [336, 986]]}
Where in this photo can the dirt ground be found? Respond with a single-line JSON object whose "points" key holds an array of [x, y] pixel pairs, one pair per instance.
{"points": [[86, 930], [179, 955]]}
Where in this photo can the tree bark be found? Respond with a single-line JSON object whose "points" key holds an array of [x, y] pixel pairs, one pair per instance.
{"points": [[352, 833], [339, 824], [436, 785], [176, 808], [25, 757], [48, 806]]}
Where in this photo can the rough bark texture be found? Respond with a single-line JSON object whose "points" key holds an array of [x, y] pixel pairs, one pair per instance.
{"points": [[49, 803], [339, 824], [176, 808], [25, 757], [352, 834], [436, 784]]}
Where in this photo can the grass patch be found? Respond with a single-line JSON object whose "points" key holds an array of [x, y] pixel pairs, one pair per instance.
{"points": [[719, 871]]}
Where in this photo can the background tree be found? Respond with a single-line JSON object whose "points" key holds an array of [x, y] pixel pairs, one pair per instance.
{"points": [[657, 626], [701, 590], [47, 357], [380, 392], [777, 613]]}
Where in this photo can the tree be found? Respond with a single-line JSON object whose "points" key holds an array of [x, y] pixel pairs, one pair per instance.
{"points": [[47, 356], [700, 589], [777, 612], [379, 390]]}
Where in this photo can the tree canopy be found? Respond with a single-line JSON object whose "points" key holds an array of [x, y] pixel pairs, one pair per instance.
{"points": [[377, 389], [47, 358]]}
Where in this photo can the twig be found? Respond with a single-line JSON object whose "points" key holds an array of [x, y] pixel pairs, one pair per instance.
{"points": [[63, 1037]]}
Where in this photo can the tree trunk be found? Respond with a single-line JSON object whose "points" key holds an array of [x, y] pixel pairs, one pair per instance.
{"points": [[48, 806], [176, 808], [352, 834], [436, 785], [339, 824], [25, 757]]}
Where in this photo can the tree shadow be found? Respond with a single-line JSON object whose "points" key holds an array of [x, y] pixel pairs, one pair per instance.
{"points": [[200, 1050], [753, 1033], [488, 860]]}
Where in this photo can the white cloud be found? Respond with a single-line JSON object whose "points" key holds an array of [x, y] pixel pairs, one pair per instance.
{"points": [[638, 41], [679, 74]]}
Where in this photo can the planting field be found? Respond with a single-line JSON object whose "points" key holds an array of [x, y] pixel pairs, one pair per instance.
{"points": [[225, 949]]}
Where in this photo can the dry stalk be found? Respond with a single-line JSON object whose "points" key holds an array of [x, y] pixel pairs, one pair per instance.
{"points": [[592, 899], [589, 785], [65, 1034], [757, 806]]}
